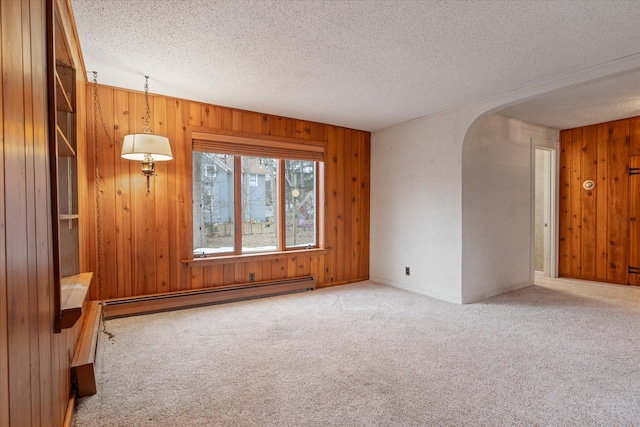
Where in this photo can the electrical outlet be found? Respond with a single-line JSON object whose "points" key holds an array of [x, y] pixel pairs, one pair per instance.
{"points": [[252, 277], [407, 271]]}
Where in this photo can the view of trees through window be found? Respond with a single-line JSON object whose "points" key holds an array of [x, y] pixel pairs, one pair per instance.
{"points": [[216, 222], [300, 201], [213, 199]]}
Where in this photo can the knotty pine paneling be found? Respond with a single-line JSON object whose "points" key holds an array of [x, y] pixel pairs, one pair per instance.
{"points": [[145, 239], [589, 162], [594, 235], [634, 219], [618, 200], [34, 361], [564, 205]]}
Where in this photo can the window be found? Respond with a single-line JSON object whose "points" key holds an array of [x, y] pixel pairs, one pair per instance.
{"points": [[300, 202], [259, 226], [244, 202], [214, 201]]}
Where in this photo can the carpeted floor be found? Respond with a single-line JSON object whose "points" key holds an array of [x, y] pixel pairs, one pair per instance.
{"points": [[559, 353]]}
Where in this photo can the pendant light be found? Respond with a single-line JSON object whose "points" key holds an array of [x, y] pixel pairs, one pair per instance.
{"points": [[146, 147]]}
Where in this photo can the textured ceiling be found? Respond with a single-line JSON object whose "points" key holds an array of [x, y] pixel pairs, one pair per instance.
{"points": [[360, 64], [617, 97]]}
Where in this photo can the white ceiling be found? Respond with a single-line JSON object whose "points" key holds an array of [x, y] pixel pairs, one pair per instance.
{"points": [[364, 64], [602, 100]]}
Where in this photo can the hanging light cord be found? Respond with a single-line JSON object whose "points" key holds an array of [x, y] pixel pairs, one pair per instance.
{"points": [[147, 113], [97, 110]]}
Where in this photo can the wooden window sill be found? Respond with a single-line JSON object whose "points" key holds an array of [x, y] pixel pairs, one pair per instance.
{"points": [[230, 259], [73, 292]]}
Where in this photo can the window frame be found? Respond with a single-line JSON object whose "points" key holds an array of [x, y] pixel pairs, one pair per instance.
{"points": [[283, 207], [210, 140]]}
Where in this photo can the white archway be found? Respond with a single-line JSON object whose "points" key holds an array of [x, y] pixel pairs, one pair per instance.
{"points": [[435, 183]]}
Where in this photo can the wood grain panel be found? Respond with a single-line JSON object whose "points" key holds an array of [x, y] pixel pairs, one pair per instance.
{"points": [[589, 160], [564, 247], [634, 136], [337, 167], [122, 202], [250, 122], [602, 205], [278, 269], [183, 192], [17, 271], [31, 146], [575, 209], [44, 305], [634, 221], [87, 208], [172, 204], [211, 116], [618, 193], [4, 309], [107, 154], [354, 199], [348, 200], [634, 200], [161, 205], [282, 126], [365, 200]]}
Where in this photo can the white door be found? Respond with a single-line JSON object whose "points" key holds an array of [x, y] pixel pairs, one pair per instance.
{"points": [[544, 195]]}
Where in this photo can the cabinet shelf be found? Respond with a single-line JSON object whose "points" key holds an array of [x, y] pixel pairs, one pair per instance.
{"points": [[65, 148], [63, 103], [74, 291]]}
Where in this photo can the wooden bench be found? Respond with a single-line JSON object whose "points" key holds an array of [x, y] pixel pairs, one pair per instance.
{"points": [[84, 357]]}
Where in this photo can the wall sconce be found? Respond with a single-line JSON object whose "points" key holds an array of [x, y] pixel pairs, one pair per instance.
{"points": [[146, 147]]}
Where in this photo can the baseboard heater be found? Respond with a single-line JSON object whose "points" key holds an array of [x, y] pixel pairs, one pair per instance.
{"points": [[184, 299]]}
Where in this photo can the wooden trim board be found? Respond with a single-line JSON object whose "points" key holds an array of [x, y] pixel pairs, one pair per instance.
{"points": [[84, 356]]}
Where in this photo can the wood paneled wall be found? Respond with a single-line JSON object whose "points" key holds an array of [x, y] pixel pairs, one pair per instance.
{"points": [[145, 239], [595, 224], [34, 361]]}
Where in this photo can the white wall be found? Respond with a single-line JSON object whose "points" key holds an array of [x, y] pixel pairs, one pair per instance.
{"points": [[460, 245], [497, 206], [417, 198], [416, 189]]}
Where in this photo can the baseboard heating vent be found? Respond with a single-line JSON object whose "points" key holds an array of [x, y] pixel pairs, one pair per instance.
{"points": [[183, 299]]}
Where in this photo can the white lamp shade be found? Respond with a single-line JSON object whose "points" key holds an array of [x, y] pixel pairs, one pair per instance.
{"points": [[136, 146]]}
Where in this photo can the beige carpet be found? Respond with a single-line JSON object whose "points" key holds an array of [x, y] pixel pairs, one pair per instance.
{"points": [[556, 354]]}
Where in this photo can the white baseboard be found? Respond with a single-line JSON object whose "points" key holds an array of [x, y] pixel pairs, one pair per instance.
{"points": [[433, 294], [497, 290]]}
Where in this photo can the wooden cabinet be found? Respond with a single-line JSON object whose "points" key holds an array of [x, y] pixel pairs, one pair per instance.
{"points": [[63, 137], [67, 170]]}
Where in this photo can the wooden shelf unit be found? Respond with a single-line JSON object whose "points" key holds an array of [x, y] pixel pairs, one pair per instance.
{"points": [[64, 178]]}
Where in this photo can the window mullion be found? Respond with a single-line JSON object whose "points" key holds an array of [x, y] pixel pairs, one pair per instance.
{"points": [[282, 218], [237, 194], [321, 208]]}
